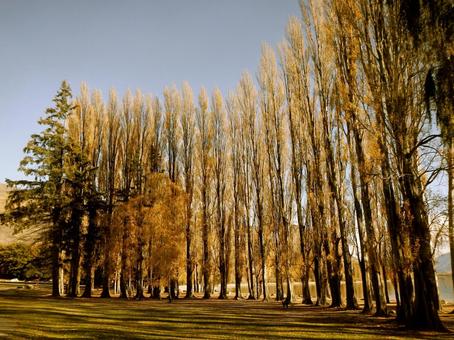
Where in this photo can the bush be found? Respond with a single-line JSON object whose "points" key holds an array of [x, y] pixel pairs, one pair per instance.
{"points": [[24, 261]]}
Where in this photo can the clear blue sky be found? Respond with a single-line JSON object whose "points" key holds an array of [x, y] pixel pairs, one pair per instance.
{"points": [[122, 44]]}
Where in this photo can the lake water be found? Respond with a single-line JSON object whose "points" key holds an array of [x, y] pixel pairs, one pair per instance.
{"points": [[445, 289]]}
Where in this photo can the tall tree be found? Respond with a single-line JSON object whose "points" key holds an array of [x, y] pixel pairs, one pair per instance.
{"points": [[95, 204], [291, 53], [237, 184], [314, 174], [110, 165], [172, 107], [247, 101], [78, 178], [429, 23], [205, 145], [271, 105], [394, 79], [142, 117], [219, 169], [187, 155], [43, 201]]}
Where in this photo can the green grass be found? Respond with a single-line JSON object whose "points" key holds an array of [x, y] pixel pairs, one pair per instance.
{"points": [[31, 314]]}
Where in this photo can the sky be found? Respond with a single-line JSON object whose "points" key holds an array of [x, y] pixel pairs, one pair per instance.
{"points": [[146, 44]]}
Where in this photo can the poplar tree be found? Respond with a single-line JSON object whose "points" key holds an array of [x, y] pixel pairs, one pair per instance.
{"points": [[204, 148], [187, 154], [219, 172]]}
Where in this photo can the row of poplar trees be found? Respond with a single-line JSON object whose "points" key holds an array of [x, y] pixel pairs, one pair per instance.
{"points": [[325, 163]]}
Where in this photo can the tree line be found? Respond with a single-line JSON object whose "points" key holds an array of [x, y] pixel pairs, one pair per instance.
{"points": [[323, 162]]}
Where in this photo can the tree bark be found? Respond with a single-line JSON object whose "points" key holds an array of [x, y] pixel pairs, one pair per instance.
{"points": [[237, 250], [56, 244], [450, 158], [124, 268], [106, 265], [205, 258], [189, 266], [380, 304], [76, 220], [426, 303], [250, 261], [139, 270], [360, 225], [89, 250]]}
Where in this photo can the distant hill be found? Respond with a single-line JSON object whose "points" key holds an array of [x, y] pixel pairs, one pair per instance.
{"points": [[6, 233], [3, 195], [443, 263]]}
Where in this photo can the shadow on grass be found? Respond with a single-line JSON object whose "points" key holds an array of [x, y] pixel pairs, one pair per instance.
{"points": [[44, 317]]}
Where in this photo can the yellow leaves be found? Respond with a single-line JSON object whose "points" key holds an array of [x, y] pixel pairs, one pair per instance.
{"points": [[155, 218], [294, 35], [342, 92], [268, 68], [166, 218], [203, 100], [246, 98], [188, 108], [373, 154], [217, 101]]}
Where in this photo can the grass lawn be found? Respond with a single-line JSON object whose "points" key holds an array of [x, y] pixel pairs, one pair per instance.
{"points": [[32, 314]]}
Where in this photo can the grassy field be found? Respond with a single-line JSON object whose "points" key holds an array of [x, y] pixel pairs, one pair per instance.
{"points": [[30, 313]]}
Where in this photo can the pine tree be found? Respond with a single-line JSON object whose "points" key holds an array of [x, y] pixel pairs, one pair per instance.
{"points": [[41, 199]]}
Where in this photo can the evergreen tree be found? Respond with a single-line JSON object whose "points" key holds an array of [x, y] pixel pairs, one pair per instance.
{"points": [[41, 199]]}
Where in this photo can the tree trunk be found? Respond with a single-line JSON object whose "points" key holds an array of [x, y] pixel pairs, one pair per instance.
{"points": [[222, 253], [124, 269], [261, 240], [380, 304], [61, 272], [196, 279], [156, 290], [223, 274], [89, 251], [250, 261], [396, 291], [206, 273], [107, 263], [333, 275], [348, 271], [189, 289], [150, 281], [123, 284], [205, 258], [288, 296], [360, 223], [385, 281], [139, 271], [173, 289], [397, 236], [336, 198], [106, 276], [237, 253], [74, 276], [426, 303], [450, 157], [320, 283], [277, 271], [305, 291], [56, 262]]}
